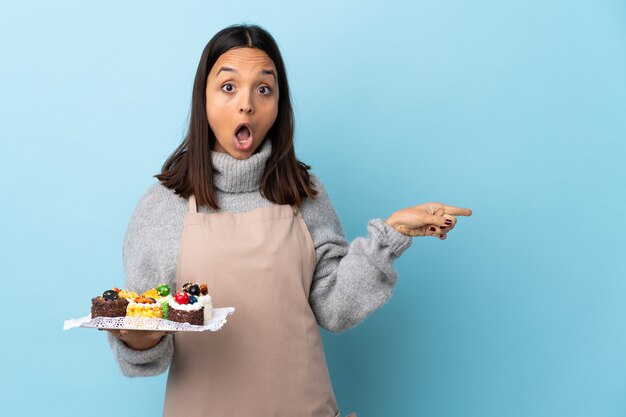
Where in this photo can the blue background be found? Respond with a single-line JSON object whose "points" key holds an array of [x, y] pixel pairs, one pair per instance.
{"points": [[514, 110]]}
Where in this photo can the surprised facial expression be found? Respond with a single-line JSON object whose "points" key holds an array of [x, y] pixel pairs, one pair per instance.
{"points": [[241, 100]]}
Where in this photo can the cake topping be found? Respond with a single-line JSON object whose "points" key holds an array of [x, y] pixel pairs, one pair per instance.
{"points": [[203, 289], [110, 295], [129, 295], [181, 297], [163, 290], [151, 293], [186, 286], [193, 289], [192, 299], [144, 300]]}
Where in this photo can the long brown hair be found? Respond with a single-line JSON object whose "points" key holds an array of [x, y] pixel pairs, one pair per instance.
{"points": [[189, 169]]}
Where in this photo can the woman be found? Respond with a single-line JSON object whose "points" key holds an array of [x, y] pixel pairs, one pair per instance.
{"points": [[234, 208]]}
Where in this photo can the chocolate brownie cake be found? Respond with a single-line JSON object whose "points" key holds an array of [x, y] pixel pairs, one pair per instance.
{"points": [[109, 304], [192, 316]]}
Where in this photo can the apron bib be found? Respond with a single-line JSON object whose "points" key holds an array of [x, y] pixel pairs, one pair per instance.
{"points": [[268, 360]]}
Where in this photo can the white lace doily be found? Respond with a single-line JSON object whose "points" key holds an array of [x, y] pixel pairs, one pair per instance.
{"points": [[144, 323]]}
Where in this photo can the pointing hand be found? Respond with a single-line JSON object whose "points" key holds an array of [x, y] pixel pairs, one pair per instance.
{"points": [[430, 219]]}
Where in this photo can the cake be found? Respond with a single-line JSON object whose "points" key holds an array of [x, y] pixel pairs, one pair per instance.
{"points": [[190, 305], [150, 303], [144, 307], [109, 304]]}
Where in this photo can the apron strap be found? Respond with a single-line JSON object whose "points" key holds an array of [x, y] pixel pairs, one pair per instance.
{"points": [[192, 204]]}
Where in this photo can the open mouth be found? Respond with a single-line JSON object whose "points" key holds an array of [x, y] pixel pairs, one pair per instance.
{"points": [[243, 136]]}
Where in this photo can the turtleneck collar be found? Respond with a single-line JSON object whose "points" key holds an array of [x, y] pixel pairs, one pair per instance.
{"points": [[240, 175]]}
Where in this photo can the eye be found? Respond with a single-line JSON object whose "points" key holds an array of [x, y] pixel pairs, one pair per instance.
{"points": [[228, 88], [265, 90]]}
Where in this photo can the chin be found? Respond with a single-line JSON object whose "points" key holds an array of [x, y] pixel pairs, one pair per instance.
{"points": [[240, 154]]}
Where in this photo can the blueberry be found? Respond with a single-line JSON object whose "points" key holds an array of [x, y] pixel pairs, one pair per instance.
{"points": [[194, 290], [110, 295]]}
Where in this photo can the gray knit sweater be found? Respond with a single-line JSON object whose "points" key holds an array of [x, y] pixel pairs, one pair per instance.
{"points": [[350, 280]]}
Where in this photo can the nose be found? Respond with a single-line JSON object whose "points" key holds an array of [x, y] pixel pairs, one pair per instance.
{"points": [[246, 105]]}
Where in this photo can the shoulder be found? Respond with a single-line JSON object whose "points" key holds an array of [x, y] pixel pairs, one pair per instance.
{"points": [[157, 216], [319, 212], [157, 202], [321, 201], [158, 195]]}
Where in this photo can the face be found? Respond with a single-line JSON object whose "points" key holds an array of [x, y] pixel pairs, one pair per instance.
{"points": [[241, 100]]}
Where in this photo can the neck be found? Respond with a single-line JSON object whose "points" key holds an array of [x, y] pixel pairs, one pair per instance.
{"points": [[240, 175]]}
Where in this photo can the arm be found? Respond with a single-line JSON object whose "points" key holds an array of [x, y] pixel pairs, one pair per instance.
{"points": [[151, 362], [351, 280], [141, 270]]}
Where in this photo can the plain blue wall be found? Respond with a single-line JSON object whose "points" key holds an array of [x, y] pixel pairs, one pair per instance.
{"points": [[516, 110]]}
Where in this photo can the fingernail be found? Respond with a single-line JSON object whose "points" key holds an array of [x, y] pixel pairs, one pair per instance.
{"points": [[448, 221], [432, 229]]}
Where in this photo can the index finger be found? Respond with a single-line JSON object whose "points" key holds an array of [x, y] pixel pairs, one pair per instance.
{"points": [[457, 211]]}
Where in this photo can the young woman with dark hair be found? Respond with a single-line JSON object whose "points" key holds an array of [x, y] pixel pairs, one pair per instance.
{"points": [[189, 169], [233, 207]]}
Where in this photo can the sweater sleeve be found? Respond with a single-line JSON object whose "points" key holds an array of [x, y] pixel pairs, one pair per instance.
{"points": [[143, 271], [351, 280]]}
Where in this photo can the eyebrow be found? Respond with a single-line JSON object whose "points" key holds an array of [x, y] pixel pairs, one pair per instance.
{"points": [[264, 72]]}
